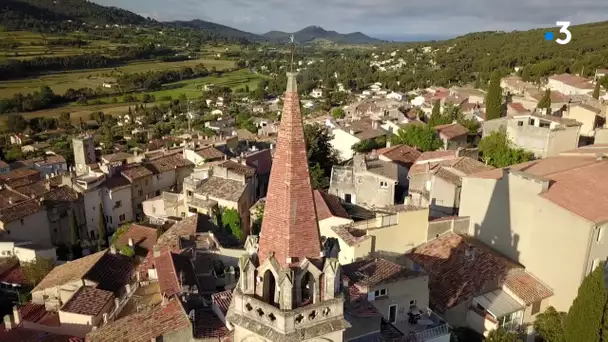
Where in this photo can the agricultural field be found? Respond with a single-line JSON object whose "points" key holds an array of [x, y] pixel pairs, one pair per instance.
{"points": [[191, 88], [62, 81]]}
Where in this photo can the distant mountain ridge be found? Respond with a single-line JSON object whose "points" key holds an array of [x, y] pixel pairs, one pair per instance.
{"points": [[312, 33], [219, 29]]}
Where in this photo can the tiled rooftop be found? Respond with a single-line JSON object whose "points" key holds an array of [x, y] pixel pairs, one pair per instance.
{"points": [[222, 188], [461, 268], [328, 206], [21, 334], [9, 198], [222, 300], [116, 157], [350, 236], [208, 326], [401, 154], [167, 274], [210, 153], [88, 301], [383, 168], [145, 325], [168, 163], [61, 194], [237, 168], [36, 189], [20, 210], [451, 131], [375, 271], [143, 237], [574, 179], [135, 172]]}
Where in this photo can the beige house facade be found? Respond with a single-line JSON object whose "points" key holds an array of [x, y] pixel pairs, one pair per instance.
{"points": [[543, 135], [530, 210], [589, 116]]}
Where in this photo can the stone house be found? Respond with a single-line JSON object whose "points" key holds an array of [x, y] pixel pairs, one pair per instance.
{"points": [[589, 116], [493, 291], [530, 210], [365, 181], [543, 135], [345, 136], [436, 181], [401, 295], [452, 135]]}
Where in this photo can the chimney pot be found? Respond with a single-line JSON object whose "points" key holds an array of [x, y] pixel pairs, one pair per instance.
{"points": [[113, 249], [131, 242]]}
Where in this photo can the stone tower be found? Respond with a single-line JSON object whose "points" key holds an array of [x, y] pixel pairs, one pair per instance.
{"points": [[84, 153], [288, 290]]}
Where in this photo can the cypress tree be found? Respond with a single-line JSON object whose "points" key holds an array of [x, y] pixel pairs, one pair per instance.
{"points": [[596, 91], [545, 101], [74, 237], [494, 98], [586, 319], [103, 239]]}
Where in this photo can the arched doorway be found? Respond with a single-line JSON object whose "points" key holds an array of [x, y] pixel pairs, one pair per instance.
{"points": [[307, 288], [270, 286]]}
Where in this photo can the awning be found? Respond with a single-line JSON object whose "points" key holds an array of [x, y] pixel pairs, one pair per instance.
{"points": [[499, 303]]}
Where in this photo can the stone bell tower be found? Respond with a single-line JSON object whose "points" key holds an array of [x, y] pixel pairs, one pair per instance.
{"points": [[289, 291]]}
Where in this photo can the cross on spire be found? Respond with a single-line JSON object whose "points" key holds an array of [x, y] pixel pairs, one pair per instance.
{"points": [[293, 49]]}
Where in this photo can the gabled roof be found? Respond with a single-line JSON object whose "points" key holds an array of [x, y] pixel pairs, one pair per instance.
{"points": [[145, 325], [20, 210], [289, 227], [328, 206], [451, 131], [8, 198], [134, 172], [143, 237], [401, 154], [88, 301], [222, 188], [168, 163], [222, 300], [210, 153], [573, 181], [238, 168], [375, 271], [116, 157], [461, 268]]}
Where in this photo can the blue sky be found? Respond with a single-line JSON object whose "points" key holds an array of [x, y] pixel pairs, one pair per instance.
{"points": [[380, 18]]}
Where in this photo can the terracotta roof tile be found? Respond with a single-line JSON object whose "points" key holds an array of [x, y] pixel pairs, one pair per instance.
{"points": [[19, 177], [575, 179], [36, 189], [328, 206], [21, 334], [237, 168], [3, 164], [135, 172], [61, 194], [20, 210], [350, 236], [461, 268], [142, 236], [222, 188], [168, 163], [116, 157], [50, 160], [207, 325], [357, 304], [401, 154], [110, 271], [11, 272], [375, 271], [32, 312], [210, 153], [451, 131], [290, 227], [222, 300], [383, 168], [116, 182], [145, 325], [88, 301], [9, 198], [167, 275], [518, 107], [363, 130], [527, 287]]}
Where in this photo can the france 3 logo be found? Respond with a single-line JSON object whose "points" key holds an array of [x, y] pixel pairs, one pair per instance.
{"points": [[563, 25]]}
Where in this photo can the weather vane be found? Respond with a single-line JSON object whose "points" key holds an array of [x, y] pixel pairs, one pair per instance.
{"points": [[293, 49]]}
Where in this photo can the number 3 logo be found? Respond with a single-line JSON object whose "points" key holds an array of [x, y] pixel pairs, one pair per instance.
{"points": [[564, 29]]}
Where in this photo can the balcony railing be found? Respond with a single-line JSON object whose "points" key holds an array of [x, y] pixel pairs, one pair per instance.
{"points": [[429, 334]]}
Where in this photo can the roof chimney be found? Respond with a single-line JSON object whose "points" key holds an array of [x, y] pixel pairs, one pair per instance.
{"points": [[10, 200], [156, 251], [131, 242], [113, 249]]}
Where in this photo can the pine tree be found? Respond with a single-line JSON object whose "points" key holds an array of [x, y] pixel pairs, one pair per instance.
{"points": [[103, 239], [494, 98], [596, 91], [545, 101], [74, 237], [586, 319]]}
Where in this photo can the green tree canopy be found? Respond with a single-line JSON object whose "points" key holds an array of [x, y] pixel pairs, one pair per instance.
{"points": [[319, 152], [338, 113], [549, 325], [497, 151], [502, 335], [587, 318], [437, 118], [35, 271], [494, 98], [127, 251], [232, 221], [545, 101], [422, 137]]}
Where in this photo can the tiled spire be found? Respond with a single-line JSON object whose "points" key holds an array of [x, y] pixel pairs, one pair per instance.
{"points": [[290, 228]]}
